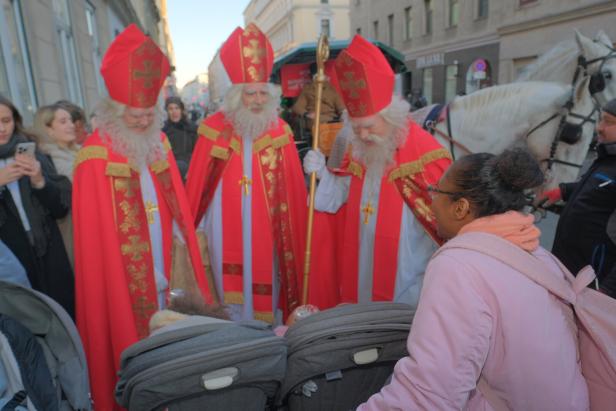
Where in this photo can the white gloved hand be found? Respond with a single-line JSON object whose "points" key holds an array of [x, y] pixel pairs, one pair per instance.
{"points": [[314, 161]]}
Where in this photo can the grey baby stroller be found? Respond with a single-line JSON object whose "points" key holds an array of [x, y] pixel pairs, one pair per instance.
{"points": [[203, 363], [42, 363], [339, 357]]}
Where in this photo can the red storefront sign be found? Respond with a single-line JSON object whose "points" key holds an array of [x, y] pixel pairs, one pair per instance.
{"points": [[293, 77]]}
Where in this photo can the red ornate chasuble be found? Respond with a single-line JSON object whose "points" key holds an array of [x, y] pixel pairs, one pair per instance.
{"points": [[419, 163], [278, 201], [115, 285]]}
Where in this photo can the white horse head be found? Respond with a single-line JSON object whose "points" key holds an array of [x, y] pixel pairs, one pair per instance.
{"points": [[496, 118], [589, 66], [560, 91]]}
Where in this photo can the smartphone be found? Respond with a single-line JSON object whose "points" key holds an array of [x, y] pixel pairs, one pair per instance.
{"points": [[26, 148]]}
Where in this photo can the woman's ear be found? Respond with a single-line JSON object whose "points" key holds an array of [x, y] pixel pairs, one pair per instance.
{"points": [[461, 208]]}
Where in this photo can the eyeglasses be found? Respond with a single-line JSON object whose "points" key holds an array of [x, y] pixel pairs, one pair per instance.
{"points": [[433, 190]]}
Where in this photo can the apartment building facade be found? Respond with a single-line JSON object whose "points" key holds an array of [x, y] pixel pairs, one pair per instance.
{"points": [[289, 23], [52, 49], [456, 47]]}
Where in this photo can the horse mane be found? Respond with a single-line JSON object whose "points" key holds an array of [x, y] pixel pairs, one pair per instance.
{"points": [[515, 103], [557, 64]]}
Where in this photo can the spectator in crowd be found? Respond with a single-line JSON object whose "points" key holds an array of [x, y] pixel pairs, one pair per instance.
{"points": [[331, 103], [585, 234], [485, 336], [79, 120], [32, 196], [56, 133], [182, 133]]}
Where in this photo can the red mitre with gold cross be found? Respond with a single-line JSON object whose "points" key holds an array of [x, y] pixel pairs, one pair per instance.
{"points": [[134, 69], [247, 56], [365, 78]]}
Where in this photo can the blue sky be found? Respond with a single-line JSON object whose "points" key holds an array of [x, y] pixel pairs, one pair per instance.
{"points": [[198, 28]]}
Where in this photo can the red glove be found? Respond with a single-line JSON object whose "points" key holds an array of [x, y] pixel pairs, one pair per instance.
{"points": [[550, 196]]}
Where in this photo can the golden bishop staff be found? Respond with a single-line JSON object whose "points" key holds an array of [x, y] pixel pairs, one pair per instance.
{"points": [[322, 55]]}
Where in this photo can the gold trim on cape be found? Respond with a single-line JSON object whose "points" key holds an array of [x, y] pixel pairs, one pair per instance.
{"points": [[417, 166], [208, 132], [281, 141], [235, 145], [356, 169], [90, 153], [117, 170], [234, 297], [219, 152], [262, 143], [159, 166], [264, 316]]}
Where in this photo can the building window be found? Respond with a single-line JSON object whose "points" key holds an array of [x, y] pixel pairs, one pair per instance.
{"points": [[408, 23], [482, 9], [428, 10], [324, 1], [390, 29], [358, 30], [451, 81], [96, 47], [16, 80], [427, 85], [454, 13], [67, 47], [525, 2], [375, 26], [325, 27]]}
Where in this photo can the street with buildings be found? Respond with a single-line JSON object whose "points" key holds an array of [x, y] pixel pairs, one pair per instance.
{"points": [[221, 132]]}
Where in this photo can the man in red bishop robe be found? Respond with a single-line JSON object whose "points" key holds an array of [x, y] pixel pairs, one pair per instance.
{"points": [[129, 209], [383, 231], [246, 188]]}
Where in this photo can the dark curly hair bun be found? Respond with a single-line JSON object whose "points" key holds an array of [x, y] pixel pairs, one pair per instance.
{"points": [[518, 169]]}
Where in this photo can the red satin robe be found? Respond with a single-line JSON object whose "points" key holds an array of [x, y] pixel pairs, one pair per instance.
{"points": [[335, 249], [278, 204], [114, 281]]}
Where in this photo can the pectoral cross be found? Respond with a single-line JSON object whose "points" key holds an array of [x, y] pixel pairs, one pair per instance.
{"points": [[368, 211], [245, 181], [150, 209]]}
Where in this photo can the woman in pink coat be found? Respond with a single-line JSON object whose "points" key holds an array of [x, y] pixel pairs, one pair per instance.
{"points": [[479, 322]]}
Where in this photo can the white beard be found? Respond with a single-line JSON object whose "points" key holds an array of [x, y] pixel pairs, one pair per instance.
{"points": [[140, 149], [376, 157], [250, 125]]}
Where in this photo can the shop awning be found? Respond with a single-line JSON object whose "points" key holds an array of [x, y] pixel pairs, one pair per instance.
{"points": [[306, 53]]}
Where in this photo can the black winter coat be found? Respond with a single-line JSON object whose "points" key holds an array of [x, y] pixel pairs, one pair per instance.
{"points": [[582, 235], [42, 254], [183, 137]]}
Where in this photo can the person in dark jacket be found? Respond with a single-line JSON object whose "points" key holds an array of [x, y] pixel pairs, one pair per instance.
{"points": [[586, 231], [32, 196], [182, 133]]}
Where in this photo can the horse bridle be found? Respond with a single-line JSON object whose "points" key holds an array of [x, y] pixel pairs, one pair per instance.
{"points": [[595, 85]]}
